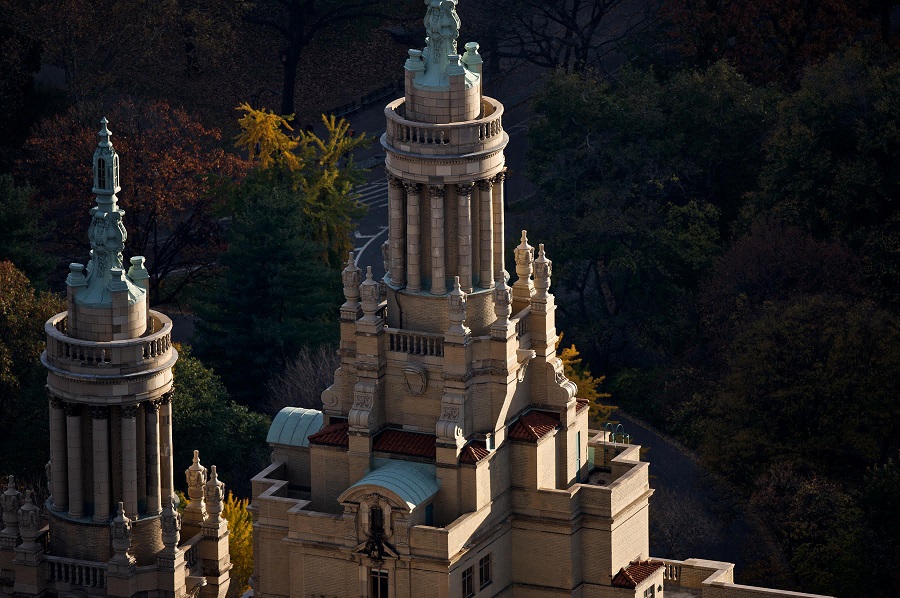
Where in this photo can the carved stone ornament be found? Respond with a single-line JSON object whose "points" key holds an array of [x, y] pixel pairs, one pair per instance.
{"points": [[502, 301], [214, 494], [128, 411], [10, 502], [442, 26], [436, 191], [524, 252], [368, 290], [543, 268], [464, 189], [196, 478], [120, 536], [395, 182], [99, 412], [416, 378], [411, 188], [486, 184], [29, 516]]}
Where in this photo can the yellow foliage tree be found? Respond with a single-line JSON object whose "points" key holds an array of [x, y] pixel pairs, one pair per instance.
{"points": [[319, 172], [240, 543], [588, 386], [240, 540]]}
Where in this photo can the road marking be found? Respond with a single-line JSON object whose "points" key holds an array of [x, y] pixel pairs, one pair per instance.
{"points": [[360, 250], [371, 193]]}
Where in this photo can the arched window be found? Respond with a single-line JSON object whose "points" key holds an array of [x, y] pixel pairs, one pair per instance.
{"points": [[115, 171], [101, 173]]}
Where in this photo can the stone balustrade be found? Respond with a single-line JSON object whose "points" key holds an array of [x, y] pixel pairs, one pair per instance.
{"points": [[450, 138], [74, 572], [112, 357], [415, 343], [520, 321]]}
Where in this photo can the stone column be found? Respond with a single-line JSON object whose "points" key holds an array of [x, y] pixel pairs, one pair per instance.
{"points": [[413, 238], [464, 199], [396, 232], [167, 476], [100, 421], [438, 259], [485, 252], [129, 460], [73, 452], [151, 423], [499, 231], [58, 484]]}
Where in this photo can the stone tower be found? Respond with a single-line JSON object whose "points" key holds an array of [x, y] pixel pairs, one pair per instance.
{"points": [[451, 443], [113, 529]]}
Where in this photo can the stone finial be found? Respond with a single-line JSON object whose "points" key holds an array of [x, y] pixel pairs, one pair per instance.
{"points": [[76, 275], [457, 300], [29, 522], [120, 534], [138, 272], [502, 302], [350, 278], [369, 293], [107, 234], [524, 256], [214, 494], [472, 59], [542, 271], [10, 503], [196, 478], [170, 522]]}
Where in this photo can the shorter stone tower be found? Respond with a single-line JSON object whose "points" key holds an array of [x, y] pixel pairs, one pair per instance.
{"points": [[113, 527]]}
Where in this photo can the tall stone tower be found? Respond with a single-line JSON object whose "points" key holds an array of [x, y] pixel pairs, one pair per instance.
{"points": [[451, 444], [113, 529]]}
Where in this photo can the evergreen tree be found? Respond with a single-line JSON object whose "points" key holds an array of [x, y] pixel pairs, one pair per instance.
{"points": [[274, 295]]}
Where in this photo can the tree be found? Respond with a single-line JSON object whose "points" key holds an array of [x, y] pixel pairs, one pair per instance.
{"points": [[810, 379], [318, 173], [205, 418], [588, 386], [767, 40], [168, 43], [23, 402], [274, 294], [571, 35], [19, 219], [240, 543], [172, 168], [298, 22], [832, 159], [20, 58], [304, 377]]}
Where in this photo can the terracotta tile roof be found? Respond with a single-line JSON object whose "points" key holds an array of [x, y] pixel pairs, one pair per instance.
{"points": [[332, 435], [532, 426], [636, 572], [581, 404], [473, 452], [405, 443]]}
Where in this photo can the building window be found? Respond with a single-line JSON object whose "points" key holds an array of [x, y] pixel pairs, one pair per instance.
{"points": [[468, 583], [376, 520], [578, 455], [484, 571], [378, 582], [429, 514], [101, 173], [649, 593]]}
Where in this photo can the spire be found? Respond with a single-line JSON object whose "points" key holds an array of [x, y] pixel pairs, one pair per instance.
{"points": [[106, 233]]}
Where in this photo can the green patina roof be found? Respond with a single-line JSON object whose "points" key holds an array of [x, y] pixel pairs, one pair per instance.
{"points": [[293, 425], [413, 482]]}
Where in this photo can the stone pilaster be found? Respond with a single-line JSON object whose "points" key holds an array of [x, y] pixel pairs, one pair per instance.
{"points": [[73, 452], [151, 424], [59, 490], [167, 476], [464, 226], [413, 238], [438, 245], [100, 429], [396, 231], [486, 251], [128, 423]]}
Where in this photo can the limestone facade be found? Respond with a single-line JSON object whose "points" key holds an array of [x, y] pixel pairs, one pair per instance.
{"points": [[452, 457], [112, 529]]}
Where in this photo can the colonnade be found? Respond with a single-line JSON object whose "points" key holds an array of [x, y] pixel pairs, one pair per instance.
{"points": [[143, 432], [479, 245]]}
